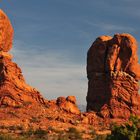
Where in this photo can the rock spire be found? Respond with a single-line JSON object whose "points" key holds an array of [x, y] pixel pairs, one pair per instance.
{"points": [[113, 73]]}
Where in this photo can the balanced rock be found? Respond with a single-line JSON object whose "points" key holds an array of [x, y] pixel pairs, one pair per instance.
{"points": [[113, 73], [6, 32], [13, 89]]}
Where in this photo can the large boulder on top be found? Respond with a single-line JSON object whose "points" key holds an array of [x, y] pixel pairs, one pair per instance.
{"points": [[113, 73], [13, 89], [6, 33]]}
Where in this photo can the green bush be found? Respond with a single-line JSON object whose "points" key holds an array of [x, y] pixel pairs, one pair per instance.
{"points": [[5, 137], [127, 131], [9, 137], [71, 134], [40, 133]]}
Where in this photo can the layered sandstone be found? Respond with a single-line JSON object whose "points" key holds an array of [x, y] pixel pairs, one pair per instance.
{"points": [[13, 89], [113, 73]]}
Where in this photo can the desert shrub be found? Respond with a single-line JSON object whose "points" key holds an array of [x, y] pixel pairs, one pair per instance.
{"points": [[37, 134], [5, 137], [34, 120], [28, 133], [14, 127], [95, 136], [100, 137], [20, 127], [40, 133], [92, 133], [9, 137], [74, 133], [127, 131], [71, 134]]}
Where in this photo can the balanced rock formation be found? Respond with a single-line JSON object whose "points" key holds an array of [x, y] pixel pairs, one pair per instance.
{"points": [[6, 33], [113, 73], [13, 89]]}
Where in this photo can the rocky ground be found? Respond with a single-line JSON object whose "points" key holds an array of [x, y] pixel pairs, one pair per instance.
{"points": [[49, 118]]}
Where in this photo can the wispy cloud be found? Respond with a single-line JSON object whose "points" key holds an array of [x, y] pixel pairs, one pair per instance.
{"points": [[52, 73], [110, 27]]}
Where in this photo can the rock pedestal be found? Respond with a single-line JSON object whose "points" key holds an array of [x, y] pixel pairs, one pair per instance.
{"points": [[113, 73], [13, 89]]}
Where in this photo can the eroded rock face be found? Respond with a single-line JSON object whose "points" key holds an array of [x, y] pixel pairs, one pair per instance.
{"points": [[113, 73], [6, 32], [13, 89]]}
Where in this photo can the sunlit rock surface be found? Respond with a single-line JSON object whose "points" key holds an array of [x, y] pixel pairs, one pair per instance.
{"points": [[13, 89], [113, 73]]}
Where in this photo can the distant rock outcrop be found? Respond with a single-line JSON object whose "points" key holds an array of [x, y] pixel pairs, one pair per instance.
{"points": [[113, 73], [68, 104], [13, 89]]}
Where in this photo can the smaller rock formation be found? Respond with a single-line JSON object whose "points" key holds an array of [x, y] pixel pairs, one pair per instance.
{"points": [[68, 104], [13, 89], [113, 73]]}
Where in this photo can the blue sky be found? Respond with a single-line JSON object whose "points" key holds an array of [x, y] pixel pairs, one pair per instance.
{"points": [[52, 38]]}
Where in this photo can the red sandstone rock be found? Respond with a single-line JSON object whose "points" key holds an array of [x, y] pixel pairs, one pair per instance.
{"points": [[6, 33], [113, 72], [13, 89], [97, 52], [71, 99], [68, 104]]}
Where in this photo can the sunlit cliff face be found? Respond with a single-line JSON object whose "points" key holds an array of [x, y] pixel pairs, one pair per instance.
{"points": [[113, 76], [1, 29], [6, 33]]}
